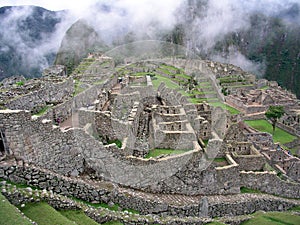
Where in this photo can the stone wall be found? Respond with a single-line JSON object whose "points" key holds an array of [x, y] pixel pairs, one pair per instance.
{"points": [[104, 126], [293, 144], [199, 176], [210, 206], [40, 143], [246, 204], [247, 109], [250, 162], [179, 140], [45, 179], [50, 92], [261, 140], [144, 91], [289, 129], [72, 151], [269, 182], [69, 107]]}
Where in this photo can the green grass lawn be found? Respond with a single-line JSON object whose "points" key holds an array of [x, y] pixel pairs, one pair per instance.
{"points": [[170, 67], [9, 213], [42, 111], [157, 152], [204, 84], [201, 100], [232, 110], [182, 75], [273, 218], [78, 217], [168, 82], [248, 190], [264, 126], [44, 214], [293, 150], [220, 160], [269, 218], [77, 87]]}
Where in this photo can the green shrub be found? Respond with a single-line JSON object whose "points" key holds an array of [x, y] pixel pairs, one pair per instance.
{"points": [[20, 83]]}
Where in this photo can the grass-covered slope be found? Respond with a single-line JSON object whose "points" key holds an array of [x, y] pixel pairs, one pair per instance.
{"points": [[273, 218], [10, 215], [44, 214]]}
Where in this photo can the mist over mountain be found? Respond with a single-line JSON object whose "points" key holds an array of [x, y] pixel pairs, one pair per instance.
{"points": [[262, 37], [26, 39]]}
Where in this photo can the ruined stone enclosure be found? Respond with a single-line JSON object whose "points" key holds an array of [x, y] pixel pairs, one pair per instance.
{"points": [[146, 129]]}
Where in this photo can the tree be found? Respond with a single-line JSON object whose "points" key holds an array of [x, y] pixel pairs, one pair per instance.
{"points": [[274, 113]]}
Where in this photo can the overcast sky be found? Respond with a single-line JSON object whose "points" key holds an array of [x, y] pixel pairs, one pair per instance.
{"points": [[50, 4]]}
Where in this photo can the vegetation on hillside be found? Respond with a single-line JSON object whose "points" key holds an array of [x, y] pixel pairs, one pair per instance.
{"points": [[272, 43]]}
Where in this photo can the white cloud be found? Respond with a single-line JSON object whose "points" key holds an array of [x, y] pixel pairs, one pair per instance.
{"points": [[145, 17], [111, 18], [50, 5]]}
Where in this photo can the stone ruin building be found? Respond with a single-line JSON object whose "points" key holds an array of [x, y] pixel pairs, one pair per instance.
{"points": [[88, 135]]}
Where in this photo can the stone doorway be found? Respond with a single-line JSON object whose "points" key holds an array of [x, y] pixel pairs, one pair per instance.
{"points": [[3, 144]]}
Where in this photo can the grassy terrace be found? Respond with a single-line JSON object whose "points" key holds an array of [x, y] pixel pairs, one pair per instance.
{"points": [[168, 82], [44, 214], [169, 67], [9, 213], [77, 87], [212, 101], [78, 217], [204, 84], [273, 218], [232, 110], [182, 75], [158, 152], [83, 66], [242, 85], [264, 126], [231, 78], [43, 110]]}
